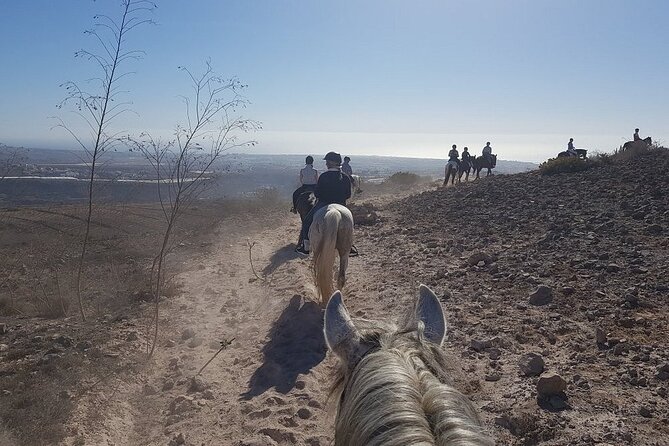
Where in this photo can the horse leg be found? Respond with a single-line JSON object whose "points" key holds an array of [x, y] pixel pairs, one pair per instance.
{"points": [[343, 264]]}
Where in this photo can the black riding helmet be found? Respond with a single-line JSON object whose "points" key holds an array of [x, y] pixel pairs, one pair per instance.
{"points": [[333, 156]]}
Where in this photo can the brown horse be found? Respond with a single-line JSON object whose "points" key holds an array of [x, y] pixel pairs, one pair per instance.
{"points": [[465, 168], [482, 162], [393, 388]]}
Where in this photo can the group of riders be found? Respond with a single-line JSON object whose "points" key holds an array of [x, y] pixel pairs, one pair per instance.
{"points": [[572, 151], [467, 158], [330, 187]]}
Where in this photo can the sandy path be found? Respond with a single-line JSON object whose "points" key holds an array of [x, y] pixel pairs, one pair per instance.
{"points": [[268, 387]]}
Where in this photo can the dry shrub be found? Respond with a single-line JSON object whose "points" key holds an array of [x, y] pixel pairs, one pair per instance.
{"points": [[404, 179], [364, 214], [566, 165]]}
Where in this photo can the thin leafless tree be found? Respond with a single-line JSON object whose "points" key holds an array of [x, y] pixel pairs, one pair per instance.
{"points": [[99, 101], [184, 164]]}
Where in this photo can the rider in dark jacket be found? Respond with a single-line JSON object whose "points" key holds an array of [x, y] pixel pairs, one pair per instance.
{"points": [[333, 187]]}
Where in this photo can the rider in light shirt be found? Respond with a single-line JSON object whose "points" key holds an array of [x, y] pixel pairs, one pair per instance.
{"points": [[308, 180]]}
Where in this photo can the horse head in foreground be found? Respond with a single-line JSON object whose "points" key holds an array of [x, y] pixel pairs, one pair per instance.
{"points": [[392, 387], [331, 232]]}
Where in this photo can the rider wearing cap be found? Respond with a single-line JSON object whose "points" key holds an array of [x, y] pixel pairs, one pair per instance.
{"points": [[333, 187]]}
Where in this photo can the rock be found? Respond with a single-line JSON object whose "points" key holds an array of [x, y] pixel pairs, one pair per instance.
{"points": [[551, 384], [84, 345], [494, 353], [208, 395], [477, 257], [557, 402], [4, 348], [177, 440], [654, 229], [612, 268], [182, 404], [568, 290], [543, 295], [663, 372], [600, 336], [195, 342], [620, 348], [148, 389], [479, 345], [168, 385], [187, 334], [304, 413], [531, 364], [645, 412], [65, 341], [493, 377], [132, 336], [197, 384], [3, 329]]}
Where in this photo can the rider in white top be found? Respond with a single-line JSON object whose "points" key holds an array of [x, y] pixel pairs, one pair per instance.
{"points": [[308, 180], [570, 148]]}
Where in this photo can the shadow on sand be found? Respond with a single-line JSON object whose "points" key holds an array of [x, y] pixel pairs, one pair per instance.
{"points": [[295, 346], [280, 257]]}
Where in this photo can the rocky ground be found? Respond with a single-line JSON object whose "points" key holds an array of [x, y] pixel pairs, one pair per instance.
{"points": [[555, 290]]}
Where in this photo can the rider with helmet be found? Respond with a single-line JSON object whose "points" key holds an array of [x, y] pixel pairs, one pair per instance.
{"points": [[308, 180], [333, 187], [487, 152]]}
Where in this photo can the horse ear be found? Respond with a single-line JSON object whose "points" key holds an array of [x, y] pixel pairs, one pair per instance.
{"points": [[341, 335], [428, 310]]}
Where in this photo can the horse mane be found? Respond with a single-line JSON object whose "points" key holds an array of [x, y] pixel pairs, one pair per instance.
{"points": [[400, 393]]}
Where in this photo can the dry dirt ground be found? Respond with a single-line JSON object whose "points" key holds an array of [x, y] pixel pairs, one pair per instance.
{"points": [[596, 239]]}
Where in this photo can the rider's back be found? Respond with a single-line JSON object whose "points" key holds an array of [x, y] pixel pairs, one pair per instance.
{"points": [[333, 187]]}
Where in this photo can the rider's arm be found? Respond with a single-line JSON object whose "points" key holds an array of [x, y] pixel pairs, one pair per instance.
{"points": [[302, 176]]}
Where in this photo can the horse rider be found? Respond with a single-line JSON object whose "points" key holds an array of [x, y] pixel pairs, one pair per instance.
{"points": [[346, 167], [571, 151], [333, 187], [308, 180], [465, 155], [453, 156], [636, 135], [487, 152]]}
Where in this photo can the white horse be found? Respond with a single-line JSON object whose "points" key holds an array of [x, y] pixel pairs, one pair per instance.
{"points": [[331, 230], [356, 182], [392, 387]]}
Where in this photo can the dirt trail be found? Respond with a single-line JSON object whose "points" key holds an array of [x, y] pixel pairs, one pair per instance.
{"points": [[267, 387]]}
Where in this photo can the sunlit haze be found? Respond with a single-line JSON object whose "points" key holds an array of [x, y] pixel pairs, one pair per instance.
{"points": [[381, 77]]}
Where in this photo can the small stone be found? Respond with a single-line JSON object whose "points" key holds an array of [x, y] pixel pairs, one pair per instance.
{"points": [[551, 384], [620, 348], [531, 364], [148, 389], [3, 329], [477, 257], [208, 395], [84, 345], [195, 342], [479, 345], [645, 412], [304, 413], [600, 336], [197, 384], [612, 268], [541, 296], [187, 334], [4, 348], [168, 385], [494, 353], [493, 377], [568, 290], [132, 336]]}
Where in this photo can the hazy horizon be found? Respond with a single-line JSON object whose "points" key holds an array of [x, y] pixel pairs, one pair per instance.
{"points": [[378, 77]]}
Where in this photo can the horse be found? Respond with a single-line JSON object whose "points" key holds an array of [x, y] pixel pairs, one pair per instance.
{"points": [[580, 153], [392, 387], [356, 182], [641, 143], [482, 162], [451, 171], [465, 167], [331, 230]]}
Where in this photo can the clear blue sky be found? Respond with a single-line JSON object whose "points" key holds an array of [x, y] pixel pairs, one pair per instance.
{"points": [[405, 78]]}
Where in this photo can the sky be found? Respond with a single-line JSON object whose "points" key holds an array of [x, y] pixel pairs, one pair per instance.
{"points": [[381, 77]]}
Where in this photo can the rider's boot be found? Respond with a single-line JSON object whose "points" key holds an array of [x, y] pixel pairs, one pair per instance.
{"points": [[304, 249]]}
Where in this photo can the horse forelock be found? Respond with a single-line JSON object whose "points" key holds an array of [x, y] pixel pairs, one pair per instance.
{"points": [[400, 393]]}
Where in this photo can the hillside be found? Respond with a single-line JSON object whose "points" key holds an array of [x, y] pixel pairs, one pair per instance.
{"points": [[598, 240]]}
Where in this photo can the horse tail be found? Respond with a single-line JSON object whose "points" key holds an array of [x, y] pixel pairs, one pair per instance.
{"points": [[324, 252]]}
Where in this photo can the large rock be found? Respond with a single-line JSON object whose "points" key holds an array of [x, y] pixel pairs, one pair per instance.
{"points": [[550, 384], [531, 364], [477, 257], [543, 295]]}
